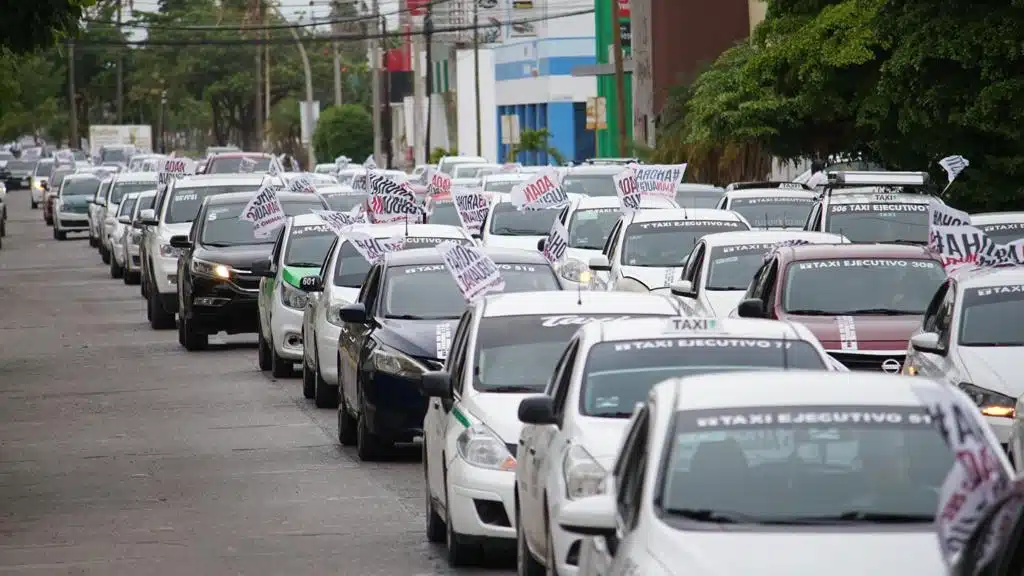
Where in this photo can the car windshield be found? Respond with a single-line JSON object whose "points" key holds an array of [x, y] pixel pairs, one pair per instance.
{"points": [[185, 202], [870, 286], [144, 203], [804, 464], [878, 222], [80, 187], [57, 177], [114, 155], [125, 208], [345, 202], [233, 165], [44, 169], [507, 220], [589, 184], [993, 316], [774, 212], [444, 212], [589, 229], [668, 243], [21, 165], [733, 267], [351, 267], [119, 189], [620, 374], [430, 292], [223, 228], [501, 186], [1003, 233], [699, 198], [308, 245]]}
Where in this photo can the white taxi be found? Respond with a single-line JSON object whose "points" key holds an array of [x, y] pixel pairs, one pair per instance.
{"points": [[721, 266], [770, 205], [504, 182], [504, 349], [774, 473], [1001, 227], [506, 226], [124, 183], [300, 251], [648, 249], [572, 433], [972, 336], [341, 277]]}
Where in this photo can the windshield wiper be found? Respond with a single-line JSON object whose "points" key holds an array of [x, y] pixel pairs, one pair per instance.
{"points": [[506, 231], [811, 312], [514, 389], [993, 344], [883, 517], [613, 414], [727, 288], [878, 312], [218, 244], [304, 264], [404, 317]]}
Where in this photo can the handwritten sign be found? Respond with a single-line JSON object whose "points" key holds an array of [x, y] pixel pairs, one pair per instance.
{"points": [[474, 271], [264, 211], [541, 192]]}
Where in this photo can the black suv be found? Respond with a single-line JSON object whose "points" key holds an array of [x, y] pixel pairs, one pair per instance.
{"points": [[216, 290]]}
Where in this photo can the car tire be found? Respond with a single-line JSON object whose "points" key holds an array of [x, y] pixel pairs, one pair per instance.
{"points": [[92, 241], [262, 350], [189, 338], [369, 446], [459, 552], [104, 254], [550, 560], [33, 204], [526, 564], [159, 319], [280, 367], [116, 271], [324, 395], [435, 524], [308, 376], [348, 427], [132, 278]]}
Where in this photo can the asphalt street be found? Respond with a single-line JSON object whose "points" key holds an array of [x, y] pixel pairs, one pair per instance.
{"points": [[121, 453]]}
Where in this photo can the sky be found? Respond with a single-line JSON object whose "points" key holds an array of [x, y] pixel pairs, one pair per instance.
{"points": [[300, 10]]}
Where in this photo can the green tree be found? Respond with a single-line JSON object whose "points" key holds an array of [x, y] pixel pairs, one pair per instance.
{"points": [[343, 130], [31, 25], [536, 141]]}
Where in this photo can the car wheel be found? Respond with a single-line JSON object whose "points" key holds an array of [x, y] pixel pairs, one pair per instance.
{"points": [[132, 278], [348, 427], [435, 524], [192, 340], [526, 564], [116, 271], [92, 241], [159, 319], [262, 350], [324, 395], [280, 367], [459, 552], [369, 446], [33, 204], [552, 568], [104, 254], [308, 378]]}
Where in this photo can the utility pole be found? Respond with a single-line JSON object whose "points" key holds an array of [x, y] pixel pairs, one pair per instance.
{"points": [[337, 71], [417, 99], [375, 62], [258, 103], [163, 127], [620, 79], [120, 73], [476, 76], [72, 102], [428, 31], [266, 77]]}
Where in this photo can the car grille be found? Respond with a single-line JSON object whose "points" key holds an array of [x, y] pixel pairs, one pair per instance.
{"points": [[75, 209], [247, 281], [868, 362]]}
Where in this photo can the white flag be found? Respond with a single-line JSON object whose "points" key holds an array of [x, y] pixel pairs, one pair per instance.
{"points": [[627, 190], [439, 183], [472, 207], [339, 222], [171, 169], [370, 163], [960, 246], [264, 211], [275, 168], [659, 179], [390, 201], [474, 271], [342, 162], [302, 184], [953, 165], [373, 249], [541, 192], [556, 243], [246, 165]]}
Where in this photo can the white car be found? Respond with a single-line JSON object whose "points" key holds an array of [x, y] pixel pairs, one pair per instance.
{"points": [[572, 433], [589, 220], [96, 208], [473, 169], [446, 165], [118, 238], [698, 195], [144, 162], [770, 205], [132, 239], [317, 178], [299, 252], [504, 348], [341, 277], [648, 249], [504, 182], [346, 176], [506, 226], [172, 214], [1001, 227], [358, 181], [343, 198], [124, 183], [71, 207], [972, 336], [862, 207], [774, 473], [591, 179], [722, 265], [39, 179]]}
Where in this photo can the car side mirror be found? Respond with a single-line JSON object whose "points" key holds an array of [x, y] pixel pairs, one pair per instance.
{"points": [[600, 264], [540, 244], [477, 236], [311, 284], [125, 220], [181, 241], [927, 342], [262, 268], [436, 385], [750, 308], [537, 410], [148, 217], [353, 314], [590, 516], [683, 288]]}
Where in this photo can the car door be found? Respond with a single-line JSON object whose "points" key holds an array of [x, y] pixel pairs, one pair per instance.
{"points": [[318, 300], [630, 475], [268, 286], [353, 339], [813, 223], [439, 415], [936, 365]]}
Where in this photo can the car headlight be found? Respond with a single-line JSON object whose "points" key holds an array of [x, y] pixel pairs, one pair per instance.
{"points": [[168, 251], [334, 314], [583, 475], [575, 271], [990, 403], [391, 361], [481, 447], [211, 269], [292, 297], [37, 184]]}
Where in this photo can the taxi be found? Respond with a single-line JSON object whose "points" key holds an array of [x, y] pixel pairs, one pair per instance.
{"points": [[648, 248], [505, 348], [971, 336], [1001, 227], [503, 182], [571, 434], [770, 205], [775, 473], [506, 226]]}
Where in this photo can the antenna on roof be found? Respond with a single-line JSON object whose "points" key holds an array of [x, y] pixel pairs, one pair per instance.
{"points": [[785, 348], [579, 293]]}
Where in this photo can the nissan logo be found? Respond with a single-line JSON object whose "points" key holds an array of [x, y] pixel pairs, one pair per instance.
{"points": [[891, 366]]}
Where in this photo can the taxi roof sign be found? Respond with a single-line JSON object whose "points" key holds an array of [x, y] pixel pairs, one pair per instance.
{"points": [[879, 178], [693, 324]]}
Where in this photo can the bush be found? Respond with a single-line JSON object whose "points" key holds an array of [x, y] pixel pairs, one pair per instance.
{"points": [[345, 130]]}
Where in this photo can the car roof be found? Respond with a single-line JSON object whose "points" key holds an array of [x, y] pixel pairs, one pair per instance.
{"points": [[260, 155], [570, 302], [793, 388], [239, 197], [771, 193], [595, 169], [844, 250], [136, 177], [741, 237], [306, 220], [591, 202], [870, 197], [507, 177], [688, 187], [987, 277], [985, 218], [420, 230], [419, 256], [204, 180], [44, 160], [81, 176], [685, 214], [506, 197], [657, 329]]}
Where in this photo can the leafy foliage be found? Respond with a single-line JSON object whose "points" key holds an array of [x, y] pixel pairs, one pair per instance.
{"points": [[345, 130], [536, 141], [31, 25]]}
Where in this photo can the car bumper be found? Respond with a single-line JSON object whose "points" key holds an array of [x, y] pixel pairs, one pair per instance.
{"points": [[564, 544], [482, 502], [65, 221], [286, 330], [394, 406], [326, 348], [215, 312], [165, 275]]}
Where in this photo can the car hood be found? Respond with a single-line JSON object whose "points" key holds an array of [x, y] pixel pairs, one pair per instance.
{"points": [[722, 301], [601, 437], [837, 553], [881, 333], [652, 277], [993, 368], [500, 412], [294, 274], [582, 254], [518, 242], [415, 337], [240, 257], [179, 229]]}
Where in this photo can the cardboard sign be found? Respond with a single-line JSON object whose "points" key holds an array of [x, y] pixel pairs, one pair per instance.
{"points": [[659, 179], [556, 243], [390, 201], [264, 211], [472, 207], [172, 169], [474, 271], [373, 249], [339, 222], [440, 183], [542, 192], [302, 184], [627, 190]]}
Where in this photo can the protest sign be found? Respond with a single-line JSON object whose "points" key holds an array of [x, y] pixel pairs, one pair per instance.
{"points": [[370, 163], [171, 169], [339, 222], [474, 272], [472, 207], [541, 192], [275, 168], [264, 211], [390, 201], [960, 246], [659, 179], [373, 249], [627, 190], [439, 183], [556, 243], [246, 165], [302, 184]]}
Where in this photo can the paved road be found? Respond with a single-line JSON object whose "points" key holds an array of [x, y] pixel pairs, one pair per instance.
{"points": [[120, 453]]}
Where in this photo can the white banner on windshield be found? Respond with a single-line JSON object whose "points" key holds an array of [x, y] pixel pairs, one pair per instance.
{"points": [[172, 169], [556, 243], [659, 179], [264, 211], [338, 222], [472, 207], [373, 249], [474, 271], [627, 190], [541, 192], [246, 165]]}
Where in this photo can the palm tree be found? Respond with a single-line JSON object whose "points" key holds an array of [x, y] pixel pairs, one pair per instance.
{"points": [[535, 141]]}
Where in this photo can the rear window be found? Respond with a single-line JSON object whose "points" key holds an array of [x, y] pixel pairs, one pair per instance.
{"points": [[444, 212], [234, 165], [81, 187], [121, 188], [774, 211], [1003, 233], [591, 185], [993, 317], [861, 286], [308, 245]]}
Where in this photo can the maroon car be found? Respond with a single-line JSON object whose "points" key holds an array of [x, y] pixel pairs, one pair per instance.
{"points": [[238, 162], [862, 301]]}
